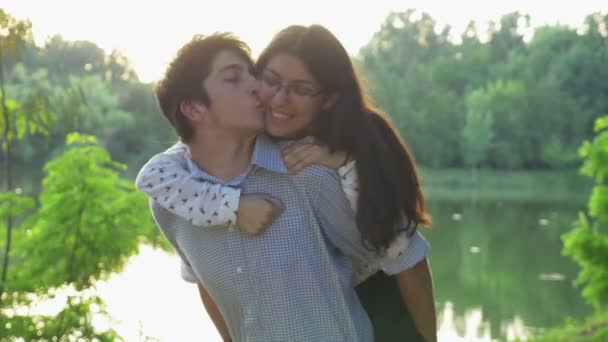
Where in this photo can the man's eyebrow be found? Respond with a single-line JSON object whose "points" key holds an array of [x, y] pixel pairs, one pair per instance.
{"points": [[234, 66]]}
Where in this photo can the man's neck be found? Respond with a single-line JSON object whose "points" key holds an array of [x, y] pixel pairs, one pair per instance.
{"points": [[225, 155]]}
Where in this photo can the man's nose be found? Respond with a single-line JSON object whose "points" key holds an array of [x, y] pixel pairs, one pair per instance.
{"points": [[254, 89]]}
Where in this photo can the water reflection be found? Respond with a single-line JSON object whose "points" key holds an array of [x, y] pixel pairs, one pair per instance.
{"points": [[148, 302], [500, 264]]}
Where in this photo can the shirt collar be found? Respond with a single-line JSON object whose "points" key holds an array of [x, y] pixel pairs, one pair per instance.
{"points": [[266, 155]]}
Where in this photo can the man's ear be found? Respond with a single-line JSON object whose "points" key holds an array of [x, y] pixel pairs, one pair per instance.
{"points": [[193, 110], [329, 101]]}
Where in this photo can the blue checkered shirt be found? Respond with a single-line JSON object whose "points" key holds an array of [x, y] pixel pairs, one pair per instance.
{"points": [[294, 282]]}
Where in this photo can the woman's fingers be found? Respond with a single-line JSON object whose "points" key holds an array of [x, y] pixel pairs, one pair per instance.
{"points": [[308, 157]]}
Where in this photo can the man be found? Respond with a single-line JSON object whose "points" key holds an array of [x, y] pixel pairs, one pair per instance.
{"points": [[293, 282]]}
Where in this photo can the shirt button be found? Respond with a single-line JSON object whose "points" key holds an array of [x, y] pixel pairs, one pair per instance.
{"points": [[239, 270]]}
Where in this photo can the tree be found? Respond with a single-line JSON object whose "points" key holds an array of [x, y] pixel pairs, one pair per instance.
{"points": [[508, 36], [587, 243], [82, 58], [507, 102], [13, 120], [477, 133], [89, 222]]}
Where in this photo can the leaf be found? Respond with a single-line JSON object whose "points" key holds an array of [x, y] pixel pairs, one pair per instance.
{"points": [[77, 138], [600, 124]]}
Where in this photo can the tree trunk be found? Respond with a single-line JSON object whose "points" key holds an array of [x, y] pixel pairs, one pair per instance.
{"points": [[8, 185]]}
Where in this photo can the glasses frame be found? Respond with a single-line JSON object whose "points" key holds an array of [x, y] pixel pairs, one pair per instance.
{"points": [[288, 86]]}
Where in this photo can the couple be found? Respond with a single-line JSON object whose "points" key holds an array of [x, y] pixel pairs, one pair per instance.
{"points": [[264, 222]]}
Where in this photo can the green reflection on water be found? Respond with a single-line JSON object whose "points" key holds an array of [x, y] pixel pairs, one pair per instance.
{"points": [[505, 258]]}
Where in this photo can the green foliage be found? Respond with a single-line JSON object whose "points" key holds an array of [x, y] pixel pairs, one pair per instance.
{"points": [[546, 186], [14, 120], [30, 116], [74, 322], [14, 204], [557, 154], [477, 133], [13, 34], [587, 243], [596, 153], [543, 94], [83, 58], [589, 248], [89, 222]]}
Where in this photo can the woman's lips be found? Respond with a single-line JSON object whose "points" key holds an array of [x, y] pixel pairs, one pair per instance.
{"points": [[280, 116]]}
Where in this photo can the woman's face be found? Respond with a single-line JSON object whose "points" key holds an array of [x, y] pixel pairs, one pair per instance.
{"points": [[292, 96]]}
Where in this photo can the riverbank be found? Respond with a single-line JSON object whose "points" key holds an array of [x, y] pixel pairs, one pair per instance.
{"points": [[508, 185]]}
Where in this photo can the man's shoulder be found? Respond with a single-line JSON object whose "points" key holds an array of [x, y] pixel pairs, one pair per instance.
{"points": [[318, 177]]}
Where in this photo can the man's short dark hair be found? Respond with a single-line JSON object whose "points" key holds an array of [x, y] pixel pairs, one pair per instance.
{"points": [[184, 77]]}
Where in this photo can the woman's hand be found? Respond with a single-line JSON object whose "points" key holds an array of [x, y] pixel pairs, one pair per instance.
{"points": [[257, 212], [307, 151]]}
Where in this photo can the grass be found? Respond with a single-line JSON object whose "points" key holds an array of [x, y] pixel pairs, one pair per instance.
{"points": [[458, 184]]}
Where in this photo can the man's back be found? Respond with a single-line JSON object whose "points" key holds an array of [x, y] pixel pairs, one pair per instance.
{"points": [[286, 284]]}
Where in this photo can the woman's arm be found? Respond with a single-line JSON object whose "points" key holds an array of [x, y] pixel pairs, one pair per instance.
{"points": [[416, 286], [167, 179], [214, 312]]}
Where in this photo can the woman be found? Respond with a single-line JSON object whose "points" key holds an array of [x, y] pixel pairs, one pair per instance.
{"points": [[310, 87], [327, 102]]}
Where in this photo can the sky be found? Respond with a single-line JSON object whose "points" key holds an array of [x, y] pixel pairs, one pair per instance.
{"points": [[150, 32]]}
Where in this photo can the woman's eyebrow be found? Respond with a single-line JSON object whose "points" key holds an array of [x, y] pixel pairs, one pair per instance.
{"points": [[293, 81]]}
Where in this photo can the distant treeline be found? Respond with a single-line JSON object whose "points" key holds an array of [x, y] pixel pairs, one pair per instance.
{"points": [[520, 99]]}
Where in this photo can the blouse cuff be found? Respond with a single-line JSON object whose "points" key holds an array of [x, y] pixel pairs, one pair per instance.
{"points": [[415, 252], [230, 202]]}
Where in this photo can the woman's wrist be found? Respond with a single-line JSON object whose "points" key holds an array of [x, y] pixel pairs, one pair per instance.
{"points": [[345, 159], [337, 160]]}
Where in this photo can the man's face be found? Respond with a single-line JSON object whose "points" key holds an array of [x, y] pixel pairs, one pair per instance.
{"points": [[233, 94]]}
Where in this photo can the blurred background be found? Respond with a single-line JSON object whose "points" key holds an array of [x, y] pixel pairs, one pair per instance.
{"points": [[503, 103]]}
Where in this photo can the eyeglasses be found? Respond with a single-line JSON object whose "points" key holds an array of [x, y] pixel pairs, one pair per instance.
{"points": [[301, 89]]}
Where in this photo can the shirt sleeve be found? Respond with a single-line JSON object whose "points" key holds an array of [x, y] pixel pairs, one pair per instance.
{"points": [[187, 273], [339, 226], [166, 179]]}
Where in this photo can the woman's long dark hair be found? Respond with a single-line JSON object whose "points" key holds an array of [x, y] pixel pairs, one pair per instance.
{"points": [[389, 186]]}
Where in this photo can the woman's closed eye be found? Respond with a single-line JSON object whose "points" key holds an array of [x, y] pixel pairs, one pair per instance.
{"points": [[271, 81]]}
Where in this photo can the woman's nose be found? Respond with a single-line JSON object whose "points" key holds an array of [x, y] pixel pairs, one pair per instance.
{"points": [[280, 97]]}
